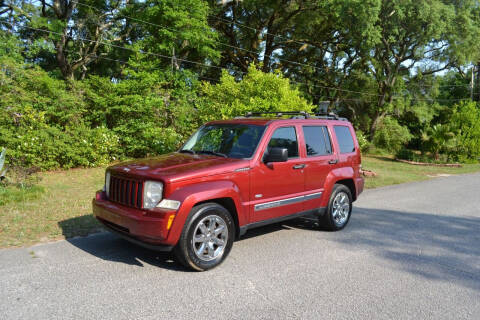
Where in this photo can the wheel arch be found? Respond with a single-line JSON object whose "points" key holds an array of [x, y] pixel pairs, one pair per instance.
{"points": [[229, 204], [350, 184], [344, 176]]}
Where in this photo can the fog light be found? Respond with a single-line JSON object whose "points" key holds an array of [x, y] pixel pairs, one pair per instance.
{"points": [[169, 204]]}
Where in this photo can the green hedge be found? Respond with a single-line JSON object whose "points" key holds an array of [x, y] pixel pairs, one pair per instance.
{"points": [[49, 123]]}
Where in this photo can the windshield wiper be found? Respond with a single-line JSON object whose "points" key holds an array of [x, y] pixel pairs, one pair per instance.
{"points": [[214, 153], [187, 151]]}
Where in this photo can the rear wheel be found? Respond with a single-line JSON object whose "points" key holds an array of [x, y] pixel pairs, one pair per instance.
{"points": [[207, 237], [339, 208]]}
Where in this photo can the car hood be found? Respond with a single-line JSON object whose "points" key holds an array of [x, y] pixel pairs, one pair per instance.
{"points": [[176, 166]]}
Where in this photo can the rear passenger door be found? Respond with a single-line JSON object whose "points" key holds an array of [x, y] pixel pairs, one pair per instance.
{"points": [[320, 159]]}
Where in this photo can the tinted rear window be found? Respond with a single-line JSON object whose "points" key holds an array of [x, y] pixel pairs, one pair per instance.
{"points": [[345, 139], [317, 140]]}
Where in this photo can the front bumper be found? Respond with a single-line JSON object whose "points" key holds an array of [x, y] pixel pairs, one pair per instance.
{"points": [[155, 247], [148, 229]]}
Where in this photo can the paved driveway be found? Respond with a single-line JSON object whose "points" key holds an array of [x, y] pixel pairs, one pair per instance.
{"points": [[410, 252]]}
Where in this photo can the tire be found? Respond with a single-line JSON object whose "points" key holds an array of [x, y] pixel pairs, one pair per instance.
{"points": [[203, 244], [338, 214]]}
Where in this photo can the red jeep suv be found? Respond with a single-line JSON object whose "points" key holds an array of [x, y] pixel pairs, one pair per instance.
{"points": [[231, 176]]}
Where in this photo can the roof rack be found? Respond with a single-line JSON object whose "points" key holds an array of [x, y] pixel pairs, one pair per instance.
{"points": [[294, 114]]}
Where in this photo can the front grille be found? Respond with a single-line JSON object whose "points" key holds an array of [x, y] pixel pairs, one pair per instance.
{"points": [[126, 191]]}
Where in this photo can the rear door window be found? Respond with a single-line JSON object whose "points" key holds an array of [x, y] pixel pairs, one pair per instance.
{"points": [[285, 137], [345, 139], [317, 141]]}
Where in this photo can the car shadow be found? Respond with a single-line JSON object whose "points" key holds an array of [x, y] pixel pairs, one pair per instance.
{"points": [[438, 247], [110, 247]]}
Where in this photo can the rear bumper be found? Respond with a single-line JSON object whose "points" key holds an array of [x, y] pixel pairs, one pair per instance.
{"points": [[133, 224], [359, 185]]}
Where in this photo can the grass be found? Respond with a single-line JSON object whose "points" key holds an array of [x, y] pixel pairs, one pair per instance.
{"points": [[63, 209], [393, 172], [14, 194]]}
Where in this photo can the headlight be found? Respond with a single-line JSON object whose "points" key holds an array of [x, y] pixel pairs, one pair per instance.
{"points": [[107, 183], [152, 194]]}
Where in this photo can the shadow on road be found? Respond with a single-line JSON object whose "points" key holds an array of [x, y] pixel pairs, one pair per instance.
{"points": [[112, 248], [438, 247]]}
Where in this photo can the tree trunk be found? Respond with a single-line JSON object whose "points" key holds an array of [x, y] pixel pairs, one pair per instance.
{"points": [[269, 43], [378, 115], [62, 60], [476, 95], [268, 53]]}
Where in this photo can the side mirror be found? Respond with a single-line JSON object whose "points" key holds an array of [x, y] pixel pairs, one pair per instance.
{"points": [[276, 155]]}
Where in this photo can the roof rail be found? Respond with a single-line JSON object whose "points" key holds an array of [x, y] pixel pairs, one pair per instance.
{"points": [[294, 114], [329, 116]]}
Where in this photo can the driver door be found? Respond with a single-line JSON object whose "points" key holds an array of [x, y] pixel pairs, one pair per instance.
{"points": [[275, 186]]}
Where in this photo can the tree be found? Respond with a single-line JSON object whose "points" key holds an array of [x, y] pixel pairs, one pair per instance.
{"points": [[172, 28], [256, 31], [418, 36], [79, 32]]}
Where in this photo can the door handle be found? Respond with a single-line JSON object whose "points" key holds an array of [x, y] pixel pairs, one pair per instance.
{"points": [[299, 166], [334, 161]]}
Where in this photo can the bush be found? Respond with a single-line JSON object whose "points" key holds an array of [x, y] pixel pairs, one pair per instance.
{"points": [[362, 141], [438, 138], [412, 155], [465, 123], [47, 124], [257, 91], [390, 135]]}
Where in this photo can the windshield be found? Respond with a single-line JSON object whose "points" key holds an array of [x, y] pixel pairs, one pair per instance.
{"points": [[226, 140]]}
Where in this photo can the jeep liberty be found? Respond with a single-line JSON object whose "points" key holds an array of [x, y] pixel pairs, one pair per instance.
{"points": [[232, 176]]}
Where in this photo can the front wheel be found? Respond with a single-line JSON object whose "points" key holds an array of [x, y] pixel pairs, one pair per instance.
{"points": [[206, 238], [339, 208]]}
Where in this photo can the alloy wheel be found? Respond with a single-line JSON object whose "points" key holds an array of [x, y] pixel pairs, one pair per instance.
{"points": [[340, 209], [210, 238]]}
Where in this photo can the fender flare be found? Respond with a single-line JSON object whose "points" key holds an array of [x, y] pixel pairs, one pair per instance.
{"points": [[332, 178], [196, 193]]}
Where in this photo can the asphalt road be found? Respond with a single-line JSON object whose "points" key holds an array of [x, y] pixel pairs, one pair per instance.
{"points": [[410, 251]]}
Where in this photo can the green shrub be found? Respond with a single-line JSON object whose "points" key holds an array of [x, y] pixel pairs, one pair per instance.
{"points": [[465, 123], [46, 124], [438, 138], [149, 113], [362, 141], [412, 155], [257, 91], [390, 135]]}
